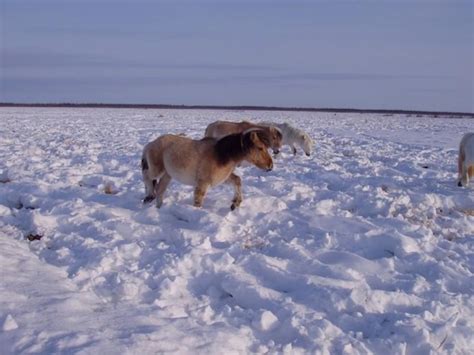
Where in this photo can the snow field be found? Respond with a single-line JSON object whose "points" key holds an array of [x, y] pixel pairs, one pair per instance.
{"points": [[364, 247]]}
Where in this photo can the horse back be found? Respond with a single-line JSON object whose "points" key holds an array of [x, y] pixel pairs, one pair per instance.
{"points": [[220, 129], [184, 158]]}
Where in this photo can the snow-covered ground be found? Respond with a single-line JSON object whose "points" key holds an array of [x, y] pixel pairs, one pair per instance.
{"points": [[364, 247]]}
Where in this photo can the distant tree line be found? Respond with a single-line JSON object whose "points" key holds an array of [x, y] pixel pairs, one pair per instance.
{"points": [[240, 108]]}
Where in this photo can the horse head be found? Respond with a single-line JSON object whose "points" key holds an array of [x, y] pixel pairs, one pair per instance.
{"points": [[255, 143], [307, 143]]}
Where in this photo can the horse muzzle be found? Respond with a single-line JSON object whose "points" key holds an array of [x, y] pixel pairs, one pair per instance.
{"points": [[270, 168]]}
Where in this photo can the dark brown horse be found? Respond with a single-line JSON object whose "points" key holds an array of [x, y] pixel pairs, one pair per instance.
{"points": [[221, 129]]}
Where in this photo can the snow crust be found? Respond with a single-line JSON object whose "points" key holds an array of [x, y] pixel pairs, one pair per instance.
{"points": [[366, 247]]}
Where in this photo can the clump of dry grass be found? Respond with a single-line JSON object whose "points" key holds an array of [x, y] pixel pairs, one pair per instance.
{"points": [[109, 189], [467, 211], [32, 236]]}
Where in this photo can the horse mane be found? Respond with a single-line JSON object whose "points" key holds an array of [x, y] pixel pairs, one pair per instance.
{"points": [[279, 132], [232, 147], [264, 137], [236, 146]]}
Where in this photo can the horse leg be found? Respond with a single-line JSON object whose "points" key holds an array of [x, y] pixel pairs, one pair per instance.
{"points": [[199, 193], [237, 182], [464, 179], [293, 148], [161, 188], [149, 187], [460, 167]]}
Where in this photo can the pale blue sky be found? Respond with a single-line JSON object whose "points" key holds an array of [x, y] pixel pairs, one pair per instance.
{"points": [[351, 54]]}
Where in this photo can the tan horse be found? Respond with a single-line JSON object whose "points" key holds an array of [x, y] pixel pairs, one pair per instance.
{"points": [[202, 163], [221, 129]]}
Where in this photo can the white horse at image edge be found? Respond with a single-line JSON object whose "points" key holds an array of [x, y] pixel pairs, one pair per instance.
{"points": [[293, 136], [466, 160]]}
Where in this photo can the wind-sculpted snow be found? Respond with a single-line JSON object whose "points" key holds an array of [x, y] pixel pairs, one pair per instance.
{"points": [[364, 247]]}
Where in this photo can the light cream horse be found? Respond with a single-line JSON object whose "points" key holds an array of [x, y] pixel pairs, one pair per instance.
{"points": [[202, 163], [221, 129], [293, 137], [466, 160]]}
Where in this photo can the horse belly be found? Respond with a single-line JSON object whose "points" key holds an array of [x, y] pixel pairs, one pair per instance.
{"points": [[182, 176], [182, 171], [220, 177]]}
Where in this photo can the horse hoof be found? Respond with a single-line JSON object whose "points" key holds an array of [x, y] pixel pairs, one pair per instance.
{"points": [[459, 184], [307, 154], [148, 199]]}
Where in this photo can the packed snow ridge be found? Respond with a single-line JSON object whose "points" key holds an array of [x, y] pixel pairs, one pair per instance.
{"points": [[365, 247]]}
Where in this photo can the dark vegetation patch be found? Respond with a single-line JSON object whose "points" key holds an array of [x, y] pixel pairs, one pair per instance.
{"points": [[32, 236], [240, 108]]}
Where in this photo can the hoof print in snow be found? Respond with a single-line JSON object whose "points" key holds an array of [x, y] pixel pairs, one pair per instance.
{"points": [[180, 217], [31, 237], [20, 205], [4, 177], [390, 253], [450, 237]]}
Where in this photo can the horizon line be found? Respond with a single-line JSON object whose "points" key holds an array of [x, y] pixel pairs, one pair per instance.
{"points": [[233, 107]]}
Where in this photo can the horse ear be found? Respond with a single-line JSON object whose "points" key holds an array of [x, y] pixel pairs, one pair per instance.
{"points": [[276, 132], [254, 136]]}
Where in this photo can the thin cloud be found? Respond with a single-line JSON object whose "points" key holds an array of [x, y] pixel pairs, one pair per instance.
{"points": [[37, 59]]}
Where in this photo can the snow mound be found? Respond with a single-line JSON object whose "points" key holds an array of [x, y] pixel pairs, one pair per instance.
{"points": [[9, 323]]}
